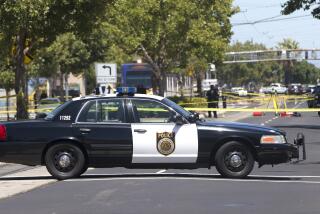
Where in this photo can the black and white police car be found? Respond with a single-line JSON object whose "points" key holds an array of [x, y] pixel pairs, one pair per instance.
{"points": [[139, 131]]}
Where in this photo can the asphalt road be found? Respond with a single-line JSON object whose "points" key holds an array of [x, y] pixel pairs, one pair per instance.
{"points": [[286, 188]]}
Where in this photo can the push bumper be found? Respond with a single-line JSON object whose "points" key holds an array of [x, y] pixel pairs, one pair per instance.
{"points": [[276, 154]]}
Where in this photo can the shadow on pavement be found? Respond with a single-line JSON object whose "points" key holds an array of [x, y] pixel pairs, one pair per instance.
{"points": [[152, 175], [25, 178], [181, 175]]}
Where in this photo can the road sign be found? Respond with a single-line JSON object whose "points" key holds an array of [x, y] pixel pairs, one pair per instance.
{"points": [[106, 73]]}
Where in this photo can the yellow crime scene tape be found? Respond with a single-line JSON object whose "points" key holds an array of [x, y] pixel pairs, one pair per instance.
{"points": [[256, 109], [276, 100]]}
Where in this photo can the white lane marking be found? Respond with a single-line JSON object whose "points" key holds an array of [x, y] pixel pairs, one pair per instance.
{"points": [[161, 171], [193, 178]]}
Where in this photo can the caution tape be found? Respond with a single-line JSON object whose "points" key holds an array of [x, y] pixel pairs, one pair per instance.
{"points": [[237, 101], [256, 109], [30, 111]]}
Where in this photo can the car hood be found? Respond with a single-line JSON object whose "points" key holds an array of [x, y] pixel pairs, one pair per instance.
{"points": [[242, 126]]}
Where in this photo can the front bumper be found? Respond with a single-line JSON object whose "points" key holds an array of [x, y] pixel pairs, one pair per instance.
{"points": [[282, 153]]}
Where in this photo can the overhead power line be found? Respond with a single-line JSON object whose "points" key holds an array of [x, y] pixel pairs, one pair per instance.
{"points": [[271, 19]]}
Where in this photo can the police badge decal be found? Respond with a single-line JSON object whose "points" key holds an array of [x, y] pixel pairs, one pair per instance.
{"points": [[165, 143]]}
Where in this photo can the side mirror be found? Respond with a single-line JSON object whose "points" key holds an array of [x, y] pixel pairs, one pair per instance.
{"points": [[177, 119], [41, 115]]}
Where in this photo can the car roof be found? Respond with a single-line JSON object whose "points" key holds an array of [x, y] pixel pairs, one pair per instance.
{"points": [[116, 95]]}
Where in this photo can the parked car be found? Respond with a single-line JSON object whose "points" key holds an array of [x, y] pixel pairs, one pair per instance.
{"points": [[276, 88], [295, 88], [239, 91], [310, 88], [314, 98]]}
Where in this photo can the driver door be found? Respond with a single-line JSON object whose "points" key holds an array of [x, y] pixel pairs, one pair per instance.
{"points": [[156, 139]]}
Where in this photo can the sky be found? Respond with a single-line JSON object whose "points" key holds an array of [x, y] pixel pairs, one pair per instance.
{"points": [[305, 30]]}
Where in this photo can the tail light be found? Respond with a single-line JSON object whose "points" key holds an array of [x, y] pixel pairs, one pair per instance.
{"points": [[3, 133]]}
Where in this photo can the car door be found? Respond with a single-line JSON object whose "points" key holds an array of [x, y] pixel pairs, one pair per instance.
{"points": [[156, 139], [102, 127]]}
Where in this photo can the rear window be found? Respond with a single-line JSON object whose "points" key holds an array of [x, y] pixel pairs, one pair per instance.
{"points": [[55, 111]]}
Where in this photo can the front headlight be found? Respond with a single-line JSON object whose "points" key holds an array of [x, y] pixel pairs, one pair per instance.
{"points": [[273, 139]]}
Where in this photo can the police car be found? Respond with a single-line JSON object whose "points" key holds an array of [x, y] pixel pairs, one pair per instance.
{"points": [[139, 131]]}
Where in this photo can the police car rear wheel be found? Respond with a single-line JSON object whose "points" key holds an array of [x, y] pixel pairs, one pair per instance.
{"points": [[64, 161], [234, 160]]}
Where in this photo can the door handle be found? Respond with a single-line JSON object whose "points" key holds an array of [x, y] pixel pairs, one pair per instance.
{"points": [[85, 130], [140, 130]]}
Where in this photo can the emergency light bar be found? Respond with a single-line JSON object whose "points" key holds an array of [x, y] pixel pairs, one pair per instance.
{"points": [[126, 90]]}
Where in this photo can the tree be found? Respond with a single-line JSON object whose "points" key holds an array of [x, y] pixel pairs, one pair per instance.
{"points": [[288, 44], [167, 32], [30, 23], [264, 73], [7, 82], [245, 74], [70, 55], [293, 5], [196, 68]]}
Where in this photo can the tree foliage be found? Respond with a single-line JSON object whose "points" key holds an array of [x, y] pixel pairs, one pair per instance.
{"points": [[165, 32], [264, 73], [26, 24], [287, 44], [292, 5]]}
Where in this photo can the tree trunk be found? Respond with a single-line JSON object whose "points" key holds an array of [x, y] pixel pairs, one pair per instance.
{"points": [[161, 83], [199, 77], [61, 91], [66, 86], [7, 103], [20, 77], [288, 72]]}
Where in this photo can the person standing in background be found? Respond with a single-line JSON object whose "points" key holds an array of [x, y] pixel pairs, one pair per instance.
{"points": [[213, 100]]}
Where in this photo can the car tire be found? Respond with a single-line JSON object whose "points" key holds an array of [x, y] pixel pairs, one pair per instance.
{"points": [[64, 161], [84, 169], [319, 113], [234, 160]]}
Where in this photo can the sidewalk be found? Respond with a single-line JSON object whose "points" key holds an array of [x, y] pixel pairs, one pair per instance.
{"points": [[25, 181]]}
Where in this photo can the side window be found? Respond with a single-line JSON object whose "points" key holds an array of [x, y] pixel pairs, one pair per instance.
{"points": [[148, 111], [89, 113], [102, 111], [110, 111]]}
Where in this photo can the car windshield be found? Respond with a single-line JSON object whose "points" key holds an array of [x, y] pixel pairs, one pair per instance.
{"points": [[55, 111], [176, 107]]}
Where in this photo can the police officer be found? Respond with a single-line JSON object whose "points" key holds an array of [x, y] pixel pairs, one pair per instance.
{"points": [[213, 99]]}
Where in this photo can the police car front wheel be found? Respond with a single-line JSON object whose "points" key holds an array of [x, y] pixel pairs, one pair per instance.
{"points": [[65, 161], [234, 160]]}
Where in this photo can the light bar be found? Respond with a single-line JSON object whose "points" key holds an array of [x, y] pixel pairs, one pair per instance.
{"points": [[126, 90]]}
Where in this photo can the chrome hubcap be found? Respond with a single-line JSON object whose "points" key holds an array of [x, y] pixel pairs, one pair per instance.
{"points": [[235, 161], [64, 161]]}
